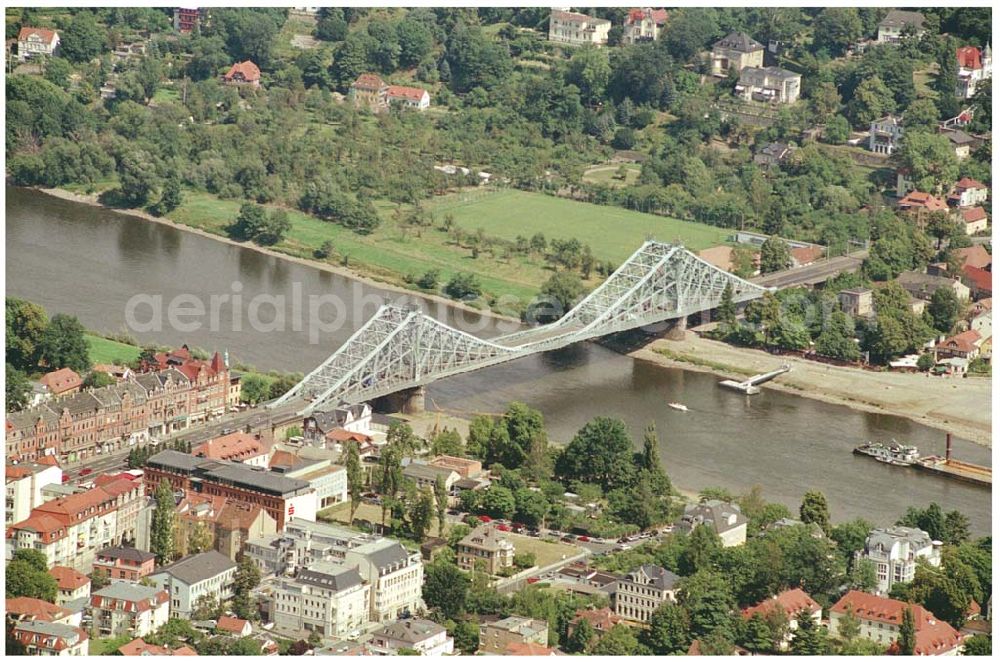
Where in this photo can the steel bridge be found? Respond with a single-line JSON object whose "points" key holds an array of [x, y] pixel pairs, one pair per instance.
{"points": [[401, 348]]}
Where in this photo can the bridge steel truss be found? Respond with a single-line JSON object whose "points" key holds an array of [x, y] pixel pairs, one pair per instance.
{"points": [[401, 348]]}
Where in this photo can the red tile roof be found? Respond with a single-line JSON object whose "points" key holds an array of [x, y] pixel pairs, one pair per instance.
{"points": [[414, 94], [804, 255], [974, 214], [48, 36], [234, 446], [61, 381], [68, 578], [232, 624], [340, 434], [974, 256], [919, 199], [33, 609], [792, 601], [968, 182], [934, 637], [978, 279], [140, 647], [600, 619], [963, 342], [968, 57], [527, 648], [249, 71], [369, 82], [659, 16]]}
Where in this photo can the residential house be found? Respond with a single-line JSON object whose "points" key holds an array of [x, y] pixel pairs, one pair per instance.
{"points": [[643, 25], [857, 302], [235, 391], [235, 626], [488, 545], [572, 28], [880, 619], [897, 24], [885, 135], [968, 193], [230, 523], [302, 543], [725, 518], [242, 74], [426, 475], [280, 496], [370, 92], [138, 647], [974, 256], [965, 345], [394, 574], [530, 650], [33, 609], [736, 51], [61, 382], [126, 564], [643, 590], [133, 609], [894, 552], [975, 220], [236, 446], [69, 530], [44, 638], [315, 467], [32, 42], [327, 598], [188, 19], [773, 155], [771, 84], [72, 584], [979, 281], [418, 634], [23, 483], [189, 579], [494, 637], [974, 66], [408, 97], [463, 466], [790, 603], [350, 418], [923, 286], [961, 142], [600, 620]]}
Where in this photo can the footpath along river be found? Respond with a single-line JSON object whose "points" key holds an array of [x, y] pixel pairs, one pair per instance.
{"points": [[86, 261]]}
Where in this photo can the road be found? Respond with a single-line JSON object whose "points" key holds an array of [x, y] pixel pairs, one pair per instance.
{"points": [[813, 273]]}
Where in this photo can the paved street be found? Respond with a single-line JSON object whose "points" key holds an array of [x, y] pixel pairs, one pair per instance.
{"points": [[813, 273]]}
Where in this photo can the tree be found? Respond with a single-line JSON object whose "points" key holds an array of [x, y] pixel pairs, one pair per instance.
{"points": [[99, 578], [63, 344], [925, 362], [206, 608], [97, 379], [689, 31], [835, 29], [701, 551], [161, 530], [810, 637], [137, 177], [498, 502], [83, 39], [600, 453], [200, 539], [255, 224], [727, 309], [564, 289], [709, 602], [355, 476], [814, 509], [18, 389], [907, 640], [580, 638], [872, 100], [669, 630], [978, 645], [837, 131], [837, 338], [463, 286], [530, 507], [25, 326], [921, 115], [930, 159], [590, 71], [246, 580], [254, 388], [440, 503], [421, 513], [27, 575], [943, 309], [170, 198], [774, 255], [619, 640], [445, 587], [331, 25]]}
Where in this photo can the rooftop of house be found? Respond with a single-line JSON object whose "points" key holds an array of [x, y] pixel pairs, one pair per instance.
{"points": [[739, 41], [967, 341], [60, 381], [369, 82], [974, 256], [68, 578], [130, 593], [529, 648], [897, 18], [649, 574], [958, 137], [411, 630], [65, 635], [966, 183], [198, 567], [46, 35], [658, 16], [921, 200], [328, 575], [383, 553], [969, 57], [981, 279], [521, 625], [248, 70], [225, 471], [928, 282], [574, 17], [230, 445], [888, 536], [791, 602], [35, 609], [725, 516], [602, 619], [231, 624], [488, 538], [126, 554], [427, 471], [759, 73], [934, 636], [974, 215], [403, 92]]}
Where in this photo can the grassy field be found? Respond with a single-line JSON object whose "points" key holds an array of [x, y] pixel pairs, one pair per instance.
{"points": [[605, 174], [612, 232], [103, 350], [545, 552]]}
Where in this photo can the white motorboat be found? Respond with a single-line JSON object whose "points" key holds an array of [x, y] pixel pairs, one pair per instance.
{"points": [[678, 406]]}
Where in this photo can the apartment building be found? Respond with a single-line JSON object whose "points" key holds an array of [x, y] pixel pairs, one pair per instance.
{"points": [[229, 522], [495, 637], [880, 619], [643, 590], [23, 487], [395, 576], [133, 609], [125, 564], [327, 598], [734, 52], [303, 543], [193, 577], [419, 634], [44, 638], [487, 545], [572, 28], [894, 552]]}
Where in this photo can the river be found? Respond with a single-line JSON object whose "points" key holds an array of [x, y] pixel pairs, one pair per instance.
{"points": [[90, 262]]}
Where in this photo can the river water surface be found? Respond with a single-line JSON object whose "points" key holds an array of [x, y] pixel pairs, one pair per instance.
{"points": [[89, 262]]}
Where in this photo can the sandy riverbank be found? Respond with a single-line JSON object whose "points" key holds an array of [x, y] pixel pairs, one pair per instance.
{"points": [[347, 272], [960, 406]]}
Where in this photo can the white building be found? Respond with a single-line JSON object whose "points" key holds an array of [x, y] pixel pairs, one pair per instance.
{"points": [[327, 479], [408, 97], [571, 28], [974, 66], [394, 574], [302, 543], [209, 573], [426, 475], [425, 637], [24, 483], [896, 23], [32, 42], [44, 638], [726, 520], [894, 552], [326, 598], [643, 25], [132, 609], [772, 84], [885, 134], [642, 592], [880, 618]]}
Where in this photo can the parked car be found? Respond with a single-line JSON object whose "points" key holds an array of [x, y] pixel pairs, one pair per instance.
{"points": [[503, 527], [485, 519], [86, 472], [583, 539], [65, 478], [569, 537]]}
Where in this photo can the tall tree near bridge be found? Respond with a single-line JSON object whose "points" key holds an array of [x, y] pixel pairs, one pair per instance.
{"points": [[774, 256], [162, 528], [355, 476]]}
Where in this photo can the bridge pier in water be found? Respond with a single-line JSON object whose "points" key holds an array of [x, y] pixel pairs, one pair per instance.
{"points": [[409, 401], [679, 329]]}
